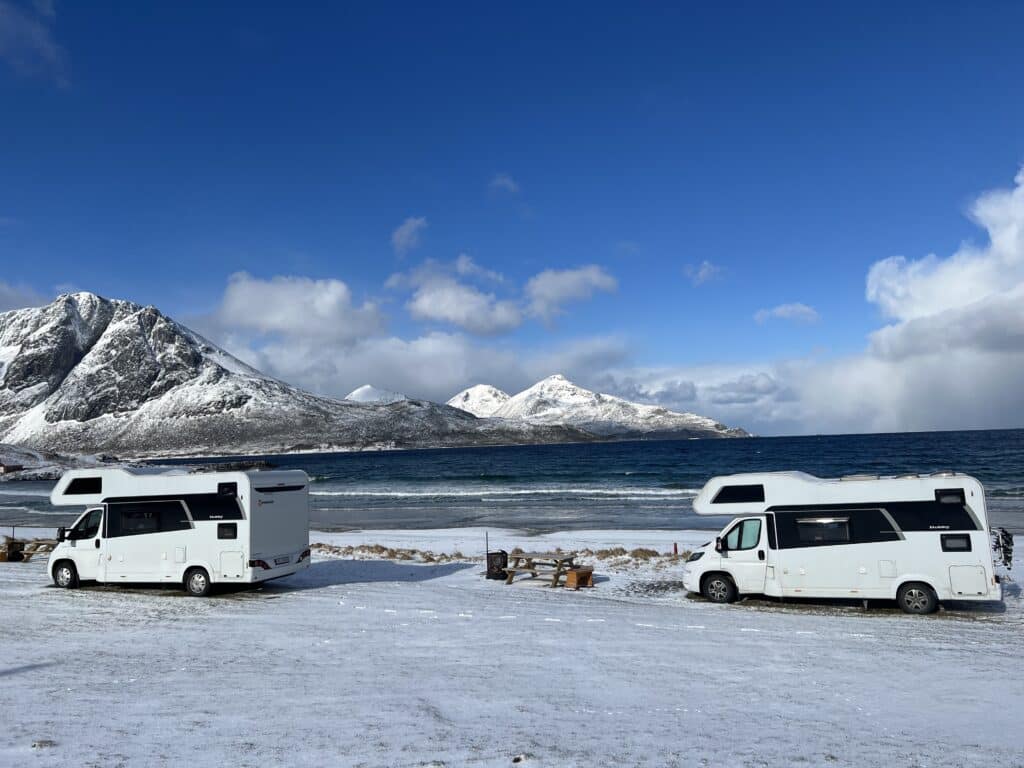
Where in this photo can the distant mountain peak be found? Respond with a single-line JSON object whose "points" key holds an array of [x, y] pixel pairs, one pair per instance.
{"points": [[480, 400], [371, 394]]}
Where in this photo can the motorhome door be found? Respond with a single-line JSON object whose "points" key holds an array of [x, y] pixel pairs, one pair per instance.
{"points": [[744, 554], [85, 544]]}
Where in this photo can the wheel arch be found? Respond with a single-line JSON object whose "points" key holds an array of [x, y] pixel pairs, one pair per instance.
{"points": [[197, 564], [716, 572], [58, 561], [914, 578]]}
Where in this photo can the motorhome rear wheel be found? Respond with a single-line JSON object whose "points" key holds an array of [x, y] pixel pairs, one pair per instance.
{"points": [[197, 582], [916, 597]]}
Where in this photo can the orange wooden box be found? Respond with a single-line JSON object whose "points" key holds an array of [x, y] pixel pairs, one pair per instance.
{"points": [[579, 577]]}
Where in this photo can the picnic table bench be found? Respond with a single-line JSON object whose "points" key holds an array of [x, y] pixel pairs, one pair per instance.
{"points": [[38, 547], [19, 551], [557, 564]]}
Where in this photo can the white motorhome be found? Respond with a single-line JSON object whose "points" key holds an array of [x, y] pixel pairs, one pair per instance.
{"points": [[196, 529], [917, 539]]}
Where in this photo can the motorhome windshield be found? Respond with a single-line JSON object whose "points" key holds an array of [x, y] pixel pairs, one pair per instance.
{"points": [[88, 526]]}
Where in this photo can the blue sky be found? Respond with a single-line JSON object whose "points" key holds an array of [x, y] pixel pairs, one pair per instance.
{"points": [[710, 163]]}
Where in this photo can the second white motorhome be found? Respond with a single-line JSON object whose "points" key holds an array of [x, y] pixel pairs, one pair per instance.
{"points": [[195, 529], [914, 539]]}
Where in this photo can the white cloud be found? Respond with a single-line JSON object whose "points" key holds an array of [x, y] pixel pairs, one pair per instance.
{"points": [[702, 273], [994, 323], [444, 299], [465, 265], [670, 392], [905, 290], [502, 182], [969, 302], [798, 312], [745, 389], [27, 43], [406, 235], [438, 296], [19, 296], [547, 291], [296, 307]]}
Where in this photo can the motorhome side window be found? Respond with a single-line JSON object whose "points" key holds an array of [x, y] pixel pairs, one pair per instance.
{"points": [[84, 486], [739, 494], [823, 530], [212, 506], [137, 518], [830, 527], [744, 535], [946, 513]]}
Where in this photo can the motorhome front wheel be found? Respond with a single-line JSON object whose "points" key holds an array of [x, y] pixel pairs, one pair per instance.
{"points": [[65, 575], [719, 589]]}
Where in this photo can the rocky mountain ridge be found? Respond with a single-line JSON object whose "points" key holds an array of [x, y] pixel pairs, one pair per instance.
{"points": [[86, 374]]}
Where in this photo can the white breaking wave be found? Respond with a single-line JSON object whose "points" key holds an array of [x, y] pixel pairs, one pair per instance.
{"points": [[72, 513], [492, 492], [25, 492]]}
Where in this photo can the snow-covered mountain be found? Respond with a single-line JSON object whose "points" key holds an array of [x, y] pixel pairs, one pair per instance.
{"points": [[371, 394], [87, 374], [481, 400], [557, 401]]}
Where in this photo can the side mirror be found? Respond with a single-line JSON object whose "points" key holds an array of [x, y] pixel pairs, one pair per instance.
{"points": [[719, 544], [62, 533]]}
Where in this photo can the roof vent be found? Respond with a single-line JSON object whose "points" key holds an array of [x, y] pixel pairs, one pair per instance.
{"points": [[859, 477]]}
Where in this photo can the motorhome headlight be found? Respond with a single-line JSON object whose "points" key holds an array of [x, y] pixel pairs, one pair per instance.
{"points": [[694, 557], [303, 556]]}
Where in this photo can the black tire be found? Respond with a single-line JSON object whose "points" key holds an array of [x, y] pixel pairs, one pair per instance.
{"points": [[718, 588], [918, 598], [65, 575], [197, 582]]}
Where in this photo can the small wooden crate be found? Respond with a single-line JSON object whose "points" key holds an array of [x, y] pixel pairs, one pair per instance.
{"points": [[10, 550], [579, 577]]}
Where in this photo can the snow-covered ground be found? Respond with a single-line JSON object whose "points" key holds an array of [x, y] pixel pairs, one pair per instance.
{"points": [[384, 662]]}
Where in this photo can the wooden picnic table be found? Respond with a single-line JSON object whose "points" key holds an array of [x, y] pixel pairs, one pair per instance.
{"points": [[538, 563]]}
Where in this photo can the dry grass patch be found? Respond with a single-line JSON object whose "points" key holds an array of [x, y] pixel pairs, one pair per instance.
{"points": [[640, 553], [605, 554], [380, 552]]}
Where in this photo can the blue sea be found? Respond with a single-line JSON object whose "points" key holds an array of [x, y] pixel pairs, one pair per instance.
{"points": [[634, 485]]}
